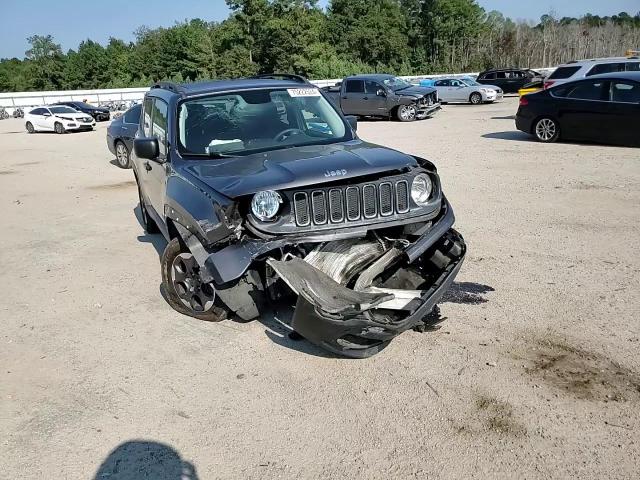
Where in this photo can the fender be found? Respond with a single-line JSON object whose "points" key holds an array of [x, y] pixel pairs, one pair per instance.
{"points": [[210, 219]]}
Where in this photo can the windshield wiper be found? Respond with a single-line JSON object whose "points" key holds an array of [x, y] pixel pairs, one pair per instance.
{"points": [[220, 155]]}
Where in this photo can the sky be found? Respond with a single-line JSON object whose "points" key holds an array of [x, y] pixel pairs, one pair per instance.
{"points": [[71, 21]]}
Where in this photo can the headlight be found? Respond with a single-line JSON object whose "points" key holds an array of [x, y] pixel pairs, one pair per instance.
{"points": [[485, 90], [66, 118], [421, 189], [265, 205]]}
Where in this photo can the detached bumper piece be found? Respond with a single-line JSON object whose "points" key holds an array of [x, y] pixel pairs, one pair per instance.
{"points": [[361, 321]]}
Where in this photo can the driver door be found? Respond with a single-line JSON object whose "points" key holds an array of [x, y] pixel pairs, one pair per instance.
{"points": [[47, 120], [153, 173], [457, 91]]}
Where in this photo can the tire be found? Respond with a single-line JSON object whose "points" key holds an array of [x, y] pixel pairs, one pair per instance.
{"points": [[123, 157], [546, 130], [149, 224], [406, 113], [475, 98], [183, 290], [30, 128], [59, 129]]}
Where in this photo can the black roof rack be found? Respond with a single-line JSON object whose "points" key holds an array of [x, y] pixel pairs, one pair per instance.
{"points": [[282, 76], [172, 87]]}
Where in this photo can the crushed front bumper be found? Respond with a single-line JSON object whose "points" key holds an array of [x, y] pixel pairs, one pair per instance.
{"points": [[359, 324], [425, 111]]}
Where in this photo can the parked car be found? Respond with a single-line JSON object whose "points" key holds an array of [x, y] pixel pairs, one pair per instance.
{"points": [[57, 118], [98, 113], [380, 95], [602, 108], [586, 68], [267, 196], [466, 90], [120, 135], [510, 80]]}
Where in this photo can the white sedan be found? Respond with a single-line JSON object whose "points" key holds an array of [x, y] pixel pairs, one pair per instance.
{"points": [[57, 118], [466, 90]]}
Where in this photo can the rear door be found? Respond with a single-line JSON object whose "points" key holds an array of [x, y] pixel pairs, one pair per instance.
{"points": [[625, 112], [157, 174], [444, 90], [583, 109], [352, 100]]}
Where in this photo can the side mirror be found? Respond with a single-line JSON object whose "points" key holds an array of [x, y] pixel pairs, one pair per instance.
{"points": [[146, 148], [381, 93], [46, 114], [353, 121]]}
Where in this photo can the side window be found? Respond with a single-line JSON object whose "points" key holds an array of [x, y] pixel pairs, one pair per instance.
{"points": [[133, 115], [37, 111], [489, 76], [146, 117], [625, 92], [501, 75], [442, 83], [159, 125], [633, 66], [606, 68], [355, 86], [588, 91], [563, 72], [454, 83], [372, 87]]}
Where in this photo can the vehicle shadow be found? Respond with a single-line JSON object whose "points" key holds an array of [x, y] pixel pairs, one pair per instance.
{"points": [[138, 459], [157, 240], [506, 117], [114, 162], [510, 135]]}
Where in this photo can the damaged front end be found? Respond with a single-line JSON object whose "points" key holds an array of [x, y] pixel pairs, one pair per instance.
{"points": [[355, 296]]}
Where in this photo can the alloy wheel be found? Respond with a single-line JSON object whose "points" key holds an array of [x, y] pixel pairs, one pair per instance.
{"points": [[546, 129], [408, 112], [122, 155], [194, 294]]}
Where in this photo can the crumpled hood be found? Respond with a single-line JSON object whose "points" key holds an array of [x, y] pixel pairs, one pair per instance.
{"points": [[415, 91], [296, 167]]}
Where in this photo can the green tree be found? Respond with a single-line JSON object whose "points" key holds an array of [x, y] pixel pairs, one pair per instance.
{"points": [[46, 63]]}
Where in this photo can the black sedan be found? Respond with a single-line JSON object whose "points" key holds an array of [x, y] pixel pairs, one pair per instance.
{"points": [[602, 108], [120, 135], [98, 113]]}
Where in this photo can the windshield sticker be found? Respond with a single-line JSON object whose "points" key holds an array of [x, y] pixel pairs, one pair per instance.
{"points": [[303, 92]]}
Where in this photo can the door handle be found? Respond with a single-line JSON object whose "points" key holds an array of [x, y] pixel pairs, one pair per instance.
{"points": [[147, 166]]}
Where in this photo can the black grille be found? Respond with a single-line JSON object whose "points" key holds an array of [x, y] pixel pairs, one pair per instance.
{"points": [[351, 203], [319, 208], [402, 196]]}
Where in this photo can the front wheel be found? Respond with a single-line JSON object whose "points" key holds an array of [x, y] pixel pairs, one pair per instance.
{"points": [[475, 98], [546, 130], [59, 128], [406, 113], [185, 292]]}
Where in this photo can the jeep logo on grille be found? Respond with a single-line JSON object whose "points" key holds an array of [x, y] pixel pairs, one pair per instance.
{"points": [[335, 173]]}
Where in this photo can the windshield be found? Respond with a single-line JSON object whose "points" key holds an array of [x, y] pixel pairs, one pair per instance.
{"points": [[395, 83], [241, 123], [62, 110], [82, 105]]}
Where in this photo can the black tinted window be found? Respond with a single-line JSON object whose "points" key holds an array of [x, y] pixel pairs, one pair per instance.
{"points": [[133, 115], [625, 92], [442, 83], [588, 91], [355, 86], [37, 111], [488, 76], [606, 68], [563, 72], [633, 66]]}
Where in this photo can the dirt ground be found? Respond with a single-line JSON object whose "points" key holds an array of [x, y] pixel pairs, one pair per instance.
{"points": [[535, 374]]}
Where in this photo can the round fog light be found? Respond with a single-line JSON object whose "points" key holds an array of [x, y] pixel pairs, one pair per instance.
{"points": [[265, 205], [421, 189]]}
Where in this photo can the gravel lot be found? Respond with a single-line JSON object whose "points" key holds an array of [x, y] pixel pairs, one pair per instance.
{"points": [[535, 374]]}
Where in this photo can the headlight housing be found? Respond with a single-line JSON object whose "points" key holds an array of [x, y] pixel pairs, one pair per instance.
{"points": [[265, 204], [66, 118], [421, 189]]}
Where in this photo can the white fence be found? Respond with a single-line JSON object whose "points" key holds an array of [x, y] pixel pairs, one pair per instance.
{"points": [[13, 100]]}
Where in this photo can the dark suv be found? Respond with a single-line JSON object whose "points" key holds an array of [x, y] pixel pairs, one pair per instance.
{"points": [[510, 80], [268, 197]]}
